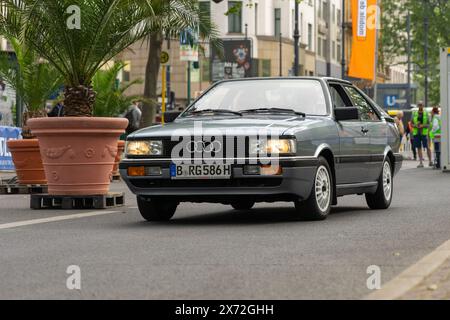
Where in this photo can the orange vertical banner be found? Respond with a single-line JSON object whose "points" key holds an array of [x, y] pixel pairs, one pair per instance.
{"points": [[364, 20]]}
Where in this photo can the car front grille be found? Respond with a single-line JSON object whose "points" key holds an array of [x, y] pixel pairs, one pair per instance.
{"points": [[191, 148]]}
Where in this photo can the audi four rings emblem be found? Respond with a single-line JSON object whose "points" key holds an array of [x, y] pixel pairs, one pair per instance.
{"points": [[203, 146]]}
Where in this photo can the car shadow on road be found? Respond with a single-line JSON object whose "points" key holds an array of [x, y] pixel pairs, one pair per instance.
{"points": [[252, 217]]}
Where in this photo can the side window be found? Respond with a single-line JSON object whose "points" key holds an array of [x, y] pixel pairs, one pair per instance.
{"points": [[339, 97], [366, 113], [336, 97]]}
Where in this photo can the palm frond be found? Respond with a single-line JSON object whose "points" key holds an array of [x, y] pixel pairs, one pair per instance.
{"points": [[111, 98], [33, 80]]}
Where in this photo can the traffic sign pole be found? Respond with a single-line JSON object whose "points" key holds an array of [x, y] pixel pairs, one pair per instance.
{"points": [[163, 95], [445, 103], [164, 60]]}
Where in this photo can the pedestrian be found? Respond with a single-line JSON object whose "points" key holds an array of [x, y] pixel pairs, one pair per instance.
{"points": [[399, 122], [409, 136], [421, 124], [435, 134], [134, 116]]}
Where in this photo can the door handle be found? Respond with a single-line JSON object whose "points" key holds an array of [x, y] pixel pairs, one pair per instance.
{"points": [[364, 130]]}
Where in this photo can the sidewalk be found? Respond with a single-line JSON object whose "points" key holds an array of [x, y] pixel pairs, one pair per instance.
{"points": [[434, 287]]}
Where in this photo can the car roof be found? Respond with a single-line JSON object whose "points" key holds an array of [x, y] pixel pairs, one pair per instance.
{"points": [[327, 79]]}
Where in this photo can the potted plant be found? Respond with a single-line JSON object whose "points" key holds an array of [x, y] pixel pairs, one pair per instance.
{"points": [[111, 99], [78, 39], [33, 80]]}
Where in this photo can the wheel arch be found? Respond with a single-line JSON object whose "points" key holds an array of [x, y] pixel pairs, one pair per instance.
{"points": [[389, 154], [325, 151]]}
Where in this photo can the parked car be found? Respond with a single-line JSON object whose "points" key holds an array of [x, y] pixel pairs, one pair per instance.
{"points": [[308, 140]]}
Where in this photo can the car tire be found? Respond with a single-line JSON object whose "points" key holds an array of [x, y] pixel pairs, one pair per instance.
{"points": [[318, 205], [156, 209], [382, 198], [243, 205]]}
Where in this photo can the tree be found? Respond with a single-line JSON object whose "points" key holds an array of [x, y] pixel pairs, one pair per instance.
{"points": [[111, 100], [33, 79], [172, 17], [394, 38], [77, 37]]}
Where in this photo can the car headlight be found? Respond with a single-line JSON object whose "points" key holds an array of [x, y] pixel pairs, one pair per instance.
{"points": [[273, 146], [145, 148]]}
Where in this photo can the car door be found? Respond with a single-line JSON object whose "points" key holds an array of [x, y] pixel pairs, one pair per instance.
{"points": [[354, 153], [378, 131]]}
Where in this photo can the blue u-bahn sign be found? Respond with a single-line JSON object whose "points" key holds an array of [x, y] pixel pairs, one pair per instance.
{"points": [[7, 133]]}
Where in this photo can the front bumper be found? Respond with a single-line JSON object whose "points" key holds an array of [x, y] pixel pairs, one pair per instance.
{"points": [[295, 182]]}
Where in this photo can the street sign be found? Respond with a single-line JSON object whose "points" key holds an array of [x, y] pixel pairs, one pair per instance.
{"points": [[445, 104], [189, 45], [165, 57]]}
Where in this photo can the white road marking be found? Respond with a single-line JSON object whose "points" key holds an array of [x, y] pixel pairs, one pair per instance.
{"points": [[412, 276], [54, 219]]}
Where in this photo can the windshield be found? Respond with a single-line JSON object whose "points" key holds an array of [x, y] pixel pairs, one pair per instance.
{"points": [[300, 95]]}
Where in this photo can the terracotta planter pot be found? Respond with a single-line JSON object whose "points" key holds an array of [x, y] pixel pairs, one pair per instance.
{"points": [[27, 160], [78, 153], [120, 150]]}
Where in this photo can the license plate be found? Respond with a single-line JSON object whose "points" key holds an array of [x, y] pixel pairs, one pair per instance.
{"points": [[202, 171]]}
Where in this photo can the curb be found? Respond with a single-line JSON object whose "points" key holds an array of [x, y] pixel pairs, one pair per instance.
{"points": [[413, 275]]}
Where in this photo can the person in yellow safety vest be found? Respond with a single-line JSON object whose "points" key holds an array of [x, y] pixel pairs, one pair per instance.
{"points": [[421, 123], [435, 135]]}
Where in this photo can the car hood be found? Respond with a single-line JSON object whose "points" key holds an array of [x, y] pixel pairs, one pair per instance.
{"points": [[228, 126]]}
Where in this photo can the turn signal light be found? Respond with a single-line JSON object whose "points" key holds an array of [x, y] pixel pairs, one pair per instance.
{"points": [[136, 171], [270, 170]]}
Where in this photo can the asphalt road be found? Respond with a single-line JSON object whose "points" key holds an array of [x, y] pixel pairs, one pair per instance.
{"points": [[212, 252]]}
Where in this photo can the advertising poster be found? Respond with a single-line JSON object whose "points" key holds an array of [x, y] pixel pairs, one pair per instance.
{"points": [[189, 45], [7, 133], [362, 61], [236, 62]]}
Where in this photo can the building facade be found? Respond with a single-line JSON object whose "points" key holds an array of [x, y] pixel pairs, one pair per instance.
{"points": [[269, 27], [329, 37]]}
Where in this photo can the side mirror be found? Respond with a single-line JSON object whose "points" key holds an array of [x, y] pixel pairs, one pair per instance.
{"points": [[346, 113], [171, 116]]}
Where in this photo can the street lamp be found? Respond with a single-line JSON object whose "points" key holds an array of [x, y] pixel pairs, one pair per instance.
{"points": [[296, 40]]}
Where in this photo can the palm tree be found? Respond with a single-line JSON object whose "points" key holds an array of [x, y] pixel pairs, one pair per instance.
{"points": [[33, 80], [172, 16], [111, 100], [106, 28]]}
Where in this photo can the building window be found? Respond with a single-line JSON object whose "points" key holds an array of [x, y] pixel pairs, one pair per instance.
{"points": [[325, 13], [339, 52], [293, 19], [266, 67], [319, 46], [277, 21], [324, 48], [333, 13], [235, 18], [205, 8], [333, 49], [310, 47], [301, 26], [206, 70], [339, 17], [319, 8], [256, 19]]}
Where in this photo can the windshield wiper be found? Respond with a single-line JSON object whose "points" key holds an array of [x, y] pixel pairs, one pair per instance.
{"points": [[223, 111], [272, 110]]}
